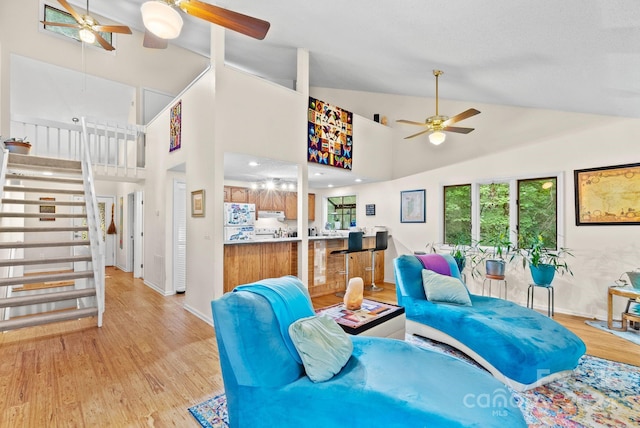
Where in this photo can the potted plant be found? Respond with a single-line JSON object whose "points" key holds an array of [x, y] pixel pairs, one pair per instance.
{"points": [[495, 262], [544, 263], [459, 254], [18, 145]]}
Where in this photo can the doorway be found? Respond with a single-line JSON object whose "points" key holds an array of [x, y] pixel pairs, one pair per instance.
{"points": [[179, 235]]}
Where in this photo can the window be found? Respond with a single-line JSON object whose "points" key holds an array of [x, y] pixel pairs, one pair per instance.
{"points": [[519, 208], [457, 214], [52, 14], [341, 212]]}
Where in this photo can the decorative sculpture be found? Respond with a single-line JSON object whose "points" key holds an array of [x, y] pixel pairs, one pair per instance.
{"points": [[353, 295]]}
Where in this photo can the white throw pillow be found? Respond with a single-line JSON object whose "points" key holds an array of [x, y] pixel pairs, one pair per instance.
{"points": [[322, 344]]}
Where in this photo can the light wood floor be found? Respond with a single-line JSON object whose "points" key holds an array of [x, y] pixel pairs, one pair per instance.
{"points": [[149, 362]]}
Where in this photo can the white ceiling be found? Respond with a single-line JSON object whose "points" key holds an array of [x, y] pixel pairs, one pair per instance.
{"points": [[570, 55]]}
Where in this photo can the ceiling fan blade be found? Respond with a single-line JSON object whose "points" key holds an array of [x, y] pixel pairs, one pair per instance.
{"points": [[457, 129], [244, 24], [60, 24], [152, 41], [122, 29], [102, 41], [419, 133], [461, 116], [71, 11], [411, 122]]}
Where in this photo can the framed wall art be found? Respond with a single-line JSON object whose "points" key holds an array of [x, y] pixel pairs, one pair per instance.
{"points": [[47, 209], [413, 206], [197, 203], [608, 195], [175, 127]]}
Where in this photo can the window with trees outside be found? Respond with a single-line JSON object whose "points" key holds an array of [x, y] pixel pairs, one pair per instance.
{"points": [[519, 209], [341, 212], [52, 14]]}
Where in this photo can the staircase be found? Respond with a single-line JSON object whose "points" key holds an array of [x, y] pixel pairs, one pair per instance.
{"points": [[51, 267]]}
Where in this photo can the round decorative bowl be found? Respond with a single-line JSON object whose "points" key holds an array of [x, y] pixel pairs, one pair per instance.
{"points": [[19, 147]]}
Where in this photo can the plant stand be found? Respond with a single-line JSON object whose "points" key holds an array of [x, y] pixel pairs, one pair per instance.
{"points": [[550, 297], [491, 278]]}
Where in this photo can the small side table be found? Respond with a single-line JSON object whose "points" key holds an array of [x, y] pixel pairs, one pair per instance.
{"points": [[550, 297], [615, 290], [492, 278], [372, 319]]}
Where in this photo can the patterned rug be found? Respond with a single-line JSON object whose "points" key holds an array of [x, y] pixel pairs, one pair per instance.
{"points": [[630, 334], [600, 393]]}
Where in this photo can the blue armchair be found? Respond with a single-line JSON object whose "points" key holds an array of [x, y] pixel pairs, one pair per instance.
{"points": [[385, 382], [519, 346]]}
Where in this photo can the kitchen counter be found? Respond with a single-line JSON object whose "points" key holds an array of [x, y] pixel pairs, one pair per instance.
{"points": [[293, 239]]}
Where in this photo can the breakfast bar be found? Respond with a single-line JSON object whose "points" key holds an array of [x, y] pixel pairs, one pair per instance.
{"points": [[250, 261]]}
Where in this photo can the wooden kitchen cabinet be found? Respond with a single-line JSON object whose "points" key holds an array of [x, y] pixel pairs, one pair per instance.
{"points": [[236, 194], [291, 206], [250, 262], [270, 200]]}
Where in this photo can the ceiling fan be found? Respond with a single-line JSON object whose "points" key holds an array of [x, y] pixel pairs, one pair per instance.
{"points": [[436, 124], [163, 21], [88, 27]]}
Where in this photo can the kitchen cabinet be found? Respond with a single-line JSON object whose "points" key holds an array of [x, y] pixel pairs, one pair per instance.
{"points": [[270, 200], [250, 262], [236, 194], [291, 206]]}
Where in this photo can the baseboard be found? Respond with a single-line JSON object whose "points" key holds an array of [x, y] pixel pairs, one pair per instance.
{"points": [[208, 320]]}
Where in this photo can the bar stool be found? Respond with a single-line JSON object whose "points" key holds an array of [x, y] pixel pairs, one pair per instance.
{"points": [[382, 238], [491, 278], [354, 246], [550, 297]]}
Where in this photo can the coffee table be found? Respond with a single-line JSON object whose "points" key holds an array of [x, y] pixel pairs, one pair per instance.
{"points": [[626, 291], [372, 319]]}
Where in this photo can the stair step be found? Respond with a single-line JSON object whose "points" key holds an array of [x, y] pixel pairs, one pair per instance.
{"points": [[69, 181], [37, 162], [38, 202], [41, 215], [44, 190], [41, 244], [44, 229], [48, 260], [34, 279], [46, 318], [36, 299]]}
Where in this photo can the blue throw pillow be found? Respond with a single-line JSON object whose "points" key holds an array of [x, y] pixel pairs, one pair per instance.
{"points": [[322, 344], [444, 289]]}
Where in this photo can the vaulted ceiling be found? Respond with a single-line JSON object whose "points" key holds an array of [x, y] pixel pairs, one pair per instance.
{"points": [[573, 55]]}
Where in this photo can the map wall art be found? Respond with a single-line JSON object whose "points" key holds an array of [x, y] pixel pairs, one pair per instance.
{"points": [[330, 136]]}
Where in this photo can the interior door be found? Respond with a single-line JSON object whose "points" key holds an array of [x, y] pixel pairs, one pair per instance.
{"points": [[179, 236], [138, 242], [106, 206]]}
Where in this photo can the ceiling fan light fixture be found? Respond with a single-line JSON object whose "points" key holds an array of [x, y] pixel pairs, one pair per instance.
{"points": [[161, 19], [87, 36], [437, 137]]}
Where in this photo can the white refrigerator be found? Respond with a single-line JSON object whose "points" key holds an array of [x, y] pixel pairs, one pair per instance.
{"points": [[239, 220]]}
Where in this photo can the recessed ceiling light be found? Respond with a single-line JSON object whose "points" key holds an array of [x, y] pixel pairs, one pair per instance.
{"points": [[358, 180], [330, 185], [253, 163], [318, 173], [47, 173]]}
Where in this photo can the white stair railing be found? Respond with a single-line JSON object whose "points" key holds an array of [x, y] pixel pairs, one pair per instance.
{"points": [[116, 149], [93, 222]]}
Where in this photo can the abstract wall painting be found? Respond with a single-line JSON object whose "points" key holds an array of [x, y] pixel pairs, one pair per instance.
{"points": [[330, 135], [175, 127]]}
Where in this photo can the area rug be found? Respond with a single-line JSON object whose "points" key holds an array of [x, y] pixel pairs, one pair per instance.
{"points": [[600, 393], [630, 334]]}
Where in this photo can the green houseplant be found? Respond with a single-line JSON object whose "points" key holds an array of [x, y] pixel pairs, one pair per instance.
{"points": [[495, 258], [544, 262]]}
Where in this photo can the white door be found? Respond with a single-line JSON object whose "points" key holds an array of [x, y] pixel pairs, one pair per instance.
{"points": [[130, 227], [106, 211], [179, 235], [138, 230]]}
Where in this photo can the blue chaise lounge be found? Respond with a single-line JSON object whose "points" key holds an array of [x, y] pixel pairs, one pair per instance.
{"points": [[384, 382], [519, 346]]}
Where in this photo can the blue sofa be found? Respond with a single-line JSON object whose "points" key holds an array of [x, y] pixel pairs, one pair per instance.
{"points": [[385, 382], [519, 346]]}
